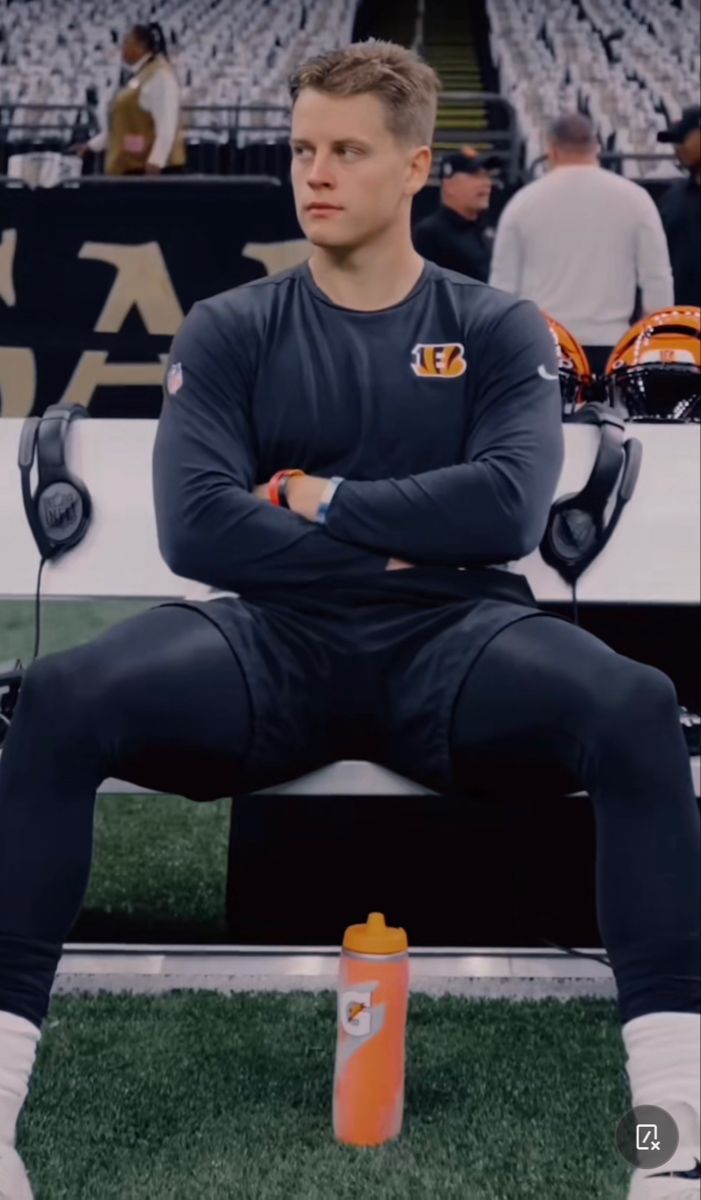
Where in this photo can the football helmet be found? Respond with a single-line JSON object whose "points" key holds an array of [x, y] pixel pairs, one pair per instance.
{"points": [[576, 376], [655, 370]]}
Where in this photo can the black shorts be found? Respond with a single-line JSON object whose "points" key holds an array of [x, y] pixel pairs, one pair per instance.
{"points": [[363, 672]]}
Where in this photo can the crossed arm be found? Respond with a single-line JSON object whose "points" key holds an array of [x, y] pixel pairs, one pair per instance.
{"points": [[216, 526]]}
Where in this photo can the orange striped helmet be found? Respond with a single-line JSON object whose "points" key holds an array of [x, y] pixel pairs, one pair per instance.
{"points": [[655, 370], [573, 368]]}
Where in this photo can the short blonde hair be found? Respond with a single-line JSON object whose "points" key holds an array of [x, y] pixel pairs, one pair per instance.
{"points": [[406, 85]]}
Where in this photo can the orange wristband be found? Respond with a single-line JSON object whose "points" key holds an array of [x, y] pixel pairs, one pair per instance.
{"points": [[274, 484]]}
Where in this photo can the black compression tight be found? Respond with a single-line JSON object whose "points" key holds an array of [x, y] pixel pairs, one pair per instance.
{"points": [[546, 696], [159, 700]]}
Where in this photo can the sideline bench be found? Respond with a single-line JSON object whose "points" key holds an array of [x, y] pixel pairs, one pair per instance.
{"points": [[652, 559]]}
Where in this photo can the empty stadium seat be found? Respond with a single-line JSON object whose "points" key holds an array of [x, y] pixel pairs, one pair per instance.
{"points": [[631, 64]]}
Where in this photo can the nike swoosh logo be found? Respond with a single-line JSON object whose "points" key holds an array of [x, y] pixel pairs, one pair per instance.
{"points": [[546, 374], [694, 1173]]}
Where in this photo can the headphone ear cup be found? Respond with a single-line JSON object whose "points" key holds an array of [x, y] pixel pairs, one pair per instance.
{"points": [[61, 509], [573, 533], [569, 534]]}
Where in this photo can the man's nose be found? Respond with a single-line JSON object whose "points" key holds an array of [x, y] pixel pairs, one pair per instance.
{"points": [[320, 172]]}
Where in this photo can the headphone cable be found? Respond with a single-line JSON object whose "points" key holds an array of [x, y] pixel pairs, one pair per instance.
{"points": [[575, 606], [37, 610]]}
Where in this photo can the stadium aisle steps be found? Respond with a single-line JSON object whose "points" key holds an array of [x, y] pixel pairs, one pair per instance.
{"points": [[450, 47]]}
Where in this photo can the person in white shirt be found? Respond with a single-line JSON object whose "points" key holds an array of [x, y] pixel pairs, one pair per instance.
{"points": [[143, 135], [580, 241]]}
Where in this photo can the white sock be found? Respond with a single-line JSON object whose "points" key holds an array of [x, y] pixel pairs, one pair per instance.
{"points": [[19, 1039], [664, 1069]]}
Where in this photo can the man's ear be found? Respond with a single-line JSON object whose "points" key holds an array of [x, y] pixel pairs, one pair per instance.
{"points": [[419, 169]]}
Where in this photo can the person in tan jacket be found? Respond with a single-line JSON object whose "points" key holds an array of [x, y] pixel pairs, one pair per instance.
{"points": [[144, 135]]}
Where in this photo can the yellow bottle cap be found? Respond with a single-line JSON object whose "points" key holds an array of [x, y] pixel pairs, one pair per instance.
{"points": [[375, 937]]}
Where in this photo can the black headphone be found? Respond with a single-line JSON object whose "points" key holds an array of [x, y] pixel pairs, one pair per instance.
{"points": [[575, 533], [60, 509]]}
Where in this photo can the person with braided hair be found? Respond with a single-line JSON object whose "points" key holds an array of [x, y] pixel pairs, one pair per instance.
{"points": [[143, 135]]}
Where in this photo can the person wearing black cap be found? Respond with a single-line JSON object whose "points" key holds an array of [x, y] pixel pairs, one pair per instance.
{"points": [[680, 207], [457, 235]]}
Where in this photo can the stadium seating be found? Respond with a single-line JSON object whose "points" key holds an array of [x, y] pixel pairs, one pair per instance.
{"points": [[225, 52], [632, 64]]}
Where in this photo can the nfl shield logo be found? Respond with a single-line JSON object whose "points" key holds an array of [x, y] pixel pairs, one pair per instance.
{"points": [[174, 378]]}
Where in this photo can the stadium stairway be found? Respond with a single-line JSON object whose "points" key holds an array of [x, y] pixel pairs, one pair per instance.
{"points": [[450, 46]]}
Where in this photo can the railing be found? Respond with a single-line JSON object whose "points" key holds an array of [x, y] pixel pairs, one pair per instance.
{"points": [[70, 123], [240, 139], [237, 139]]}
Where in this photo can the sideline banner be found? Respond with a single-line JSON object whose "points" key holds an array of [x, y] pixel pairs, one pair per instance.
{"points": [[95, 280]]}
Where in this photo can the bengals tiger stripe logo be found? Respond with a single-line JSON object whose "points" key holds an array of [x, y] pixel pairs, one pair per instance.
{"points": [[439, 360]]}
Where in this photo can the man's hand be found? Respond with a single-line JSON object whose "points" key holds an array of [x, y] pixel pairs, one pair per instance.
{"points": [[304, 494], [397, 564], [152, 169]]}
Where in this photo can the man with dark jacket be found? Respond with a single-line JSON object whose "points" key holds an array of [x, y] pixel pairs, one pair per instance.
{"points": [[680, 207], [457, 235]]}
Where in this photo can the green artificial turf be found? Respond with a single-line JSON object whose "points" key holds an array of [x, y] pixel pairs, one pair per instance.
{"points": [[62, 624], [195, 1095]]}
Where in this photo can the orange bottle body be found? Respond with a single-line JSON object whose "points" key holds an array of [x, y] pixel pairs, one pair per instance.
{"points": [[368, 1091]]}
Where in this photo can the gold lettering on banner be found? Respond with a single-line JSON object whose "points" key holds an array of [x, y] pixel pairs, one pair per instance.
{"points": [[18, 378], [94, 371], [142, 281], [8, 245], [278, 256]]}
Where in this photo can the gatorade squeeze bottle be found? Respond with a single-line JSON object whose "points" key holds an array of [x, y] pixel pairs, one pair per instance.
{"points": [[373, 994]]}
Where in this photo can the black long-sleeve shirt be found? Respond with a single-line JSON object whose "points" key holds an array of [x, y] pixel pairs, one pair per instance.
{"points": [[442, 413]]}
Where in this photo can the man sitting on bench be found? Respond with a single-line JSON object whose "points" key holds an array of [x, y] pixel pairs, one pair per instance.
{"points": [[367, 610]]}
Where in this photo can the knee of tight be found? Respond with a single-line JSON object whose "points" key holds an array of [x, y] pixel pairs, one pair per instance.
{"points": [[56, 693], [631, 697]]}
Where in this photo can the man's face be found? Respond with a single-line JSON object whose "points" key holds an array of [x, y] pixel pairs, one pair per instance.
{"points": [[689, 151], [468, 193], [352, 179]]}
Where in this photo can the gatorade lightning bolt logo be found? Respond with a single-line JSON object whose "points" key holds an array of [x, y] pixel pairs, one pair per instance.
{"points": [[356, 1013], [359, 1019]]}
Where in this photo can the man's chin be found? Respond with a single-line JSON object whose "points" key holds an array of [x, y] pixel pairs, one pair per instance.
{"points": [[326, 238]]}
